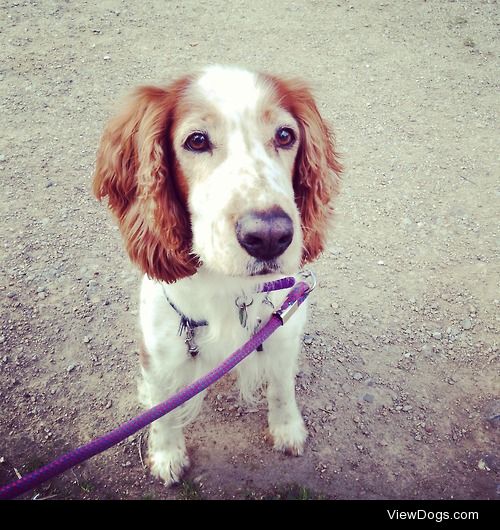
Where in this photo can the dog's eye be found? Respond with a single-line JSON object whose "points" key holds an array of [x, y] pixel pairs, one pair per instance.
{"points": [[198, 142], [284, 137]]}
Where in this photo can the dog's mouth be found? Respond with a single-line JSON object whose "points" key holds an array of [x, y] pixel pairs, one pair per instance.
{"points": [[258, 267]]}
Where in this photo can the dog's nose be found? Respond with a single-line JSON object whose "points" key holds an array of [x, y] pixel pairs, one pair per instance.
{"points": [[266, 234]]}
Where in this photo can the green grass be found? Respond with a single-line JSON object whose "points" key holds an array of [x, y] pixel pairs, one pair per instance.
{"points": [[189, 491], [294, 492]]}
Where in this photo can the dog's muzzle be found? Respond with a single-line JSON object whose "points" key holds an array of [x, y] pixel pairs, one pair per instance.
{"points": [[265, 235]]}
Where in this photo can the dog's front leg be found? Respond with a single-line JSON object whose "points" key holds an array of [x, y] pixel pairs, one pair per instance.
{"points": [[167, 455], [286, 425]]}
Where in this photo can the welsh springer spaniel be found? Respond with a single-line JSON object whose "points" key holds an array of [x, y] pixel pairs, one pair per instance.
{"points": [[219, 181]]}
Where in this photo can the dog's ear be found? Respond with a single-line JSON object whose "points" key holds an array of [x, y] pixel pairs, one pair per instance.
{"points": [[136, 171], [317, 169]]}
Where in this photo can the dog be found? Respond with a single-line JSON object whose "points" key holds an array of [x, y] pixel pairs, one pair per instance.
{"points": [[219, 181]]}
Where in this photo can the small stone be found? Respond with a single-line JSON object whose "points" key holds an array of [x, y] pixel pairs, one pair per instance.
{"points": [[437, 335], [358, 376], [87, 339], [467, 324], [109, 404], [308, 340], [407, 408], [482, 465], [427, 349], [492, 413], [106, 57], [70, 368], [2, 158], [492, 462]]}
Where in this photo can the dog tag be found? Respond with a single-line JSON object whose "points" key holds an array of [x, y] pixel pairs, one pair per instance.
{"points": [[243, 315], [190, 342], [242, 310]]}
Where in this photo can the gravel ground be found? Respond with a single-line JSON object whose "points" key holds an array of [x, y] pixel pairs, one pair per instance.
{"points": [[400, 366]]}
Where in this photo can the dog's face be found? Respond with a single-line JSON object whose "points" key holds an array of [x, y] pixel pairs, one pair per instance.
{"points": [[236, 149], [227, 168]]}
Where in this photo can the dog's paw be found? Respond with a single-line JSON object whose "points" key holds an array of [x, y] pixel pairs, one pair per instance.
{"points": [[289, 438], [169, 466]]}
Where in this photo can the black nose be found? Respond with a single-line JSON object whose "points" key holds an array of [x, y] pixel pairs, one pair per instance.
{"points": [[265, 235]]}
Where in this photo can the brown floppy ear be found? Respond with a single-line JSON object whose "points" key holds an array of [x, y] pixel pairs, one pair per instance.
{"points": [[316, 179], [136, 171]]}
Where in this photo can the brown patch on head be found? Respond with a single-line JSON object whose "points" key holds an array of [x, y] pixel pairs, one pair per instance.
{"points": [[268, 115], [317, 169], [137, 170]]}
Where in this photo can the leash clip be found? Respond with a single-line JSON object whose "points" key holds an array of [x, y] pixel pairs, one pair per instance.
{"points": [[286, 313], [309, 277]]}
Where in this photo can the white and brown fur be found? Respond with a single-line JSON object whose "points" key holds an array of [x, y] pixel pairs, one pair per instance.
{"points": [[177, 210]]}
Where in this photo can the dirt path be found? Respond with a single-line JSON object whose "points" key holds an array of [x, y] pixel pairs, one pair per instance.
{"points": [[399, 374]]}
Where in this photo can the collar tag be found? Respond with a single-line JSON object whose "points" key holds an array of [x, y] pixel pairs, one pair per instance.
{"points": [[192, 347]]}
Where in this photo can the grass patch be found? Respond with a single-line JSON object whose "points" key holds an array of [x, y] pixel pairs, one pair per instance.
{"points": [[189, 491], [294, 492]]}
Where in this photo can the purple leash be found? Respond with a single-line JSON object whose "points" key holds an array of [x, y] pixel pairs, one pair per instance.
{"points": [[295, 297]]}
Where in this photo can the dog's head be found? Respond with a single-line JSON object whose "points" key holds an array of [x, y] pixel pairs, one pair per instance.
{"points": [[225, 168]]}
